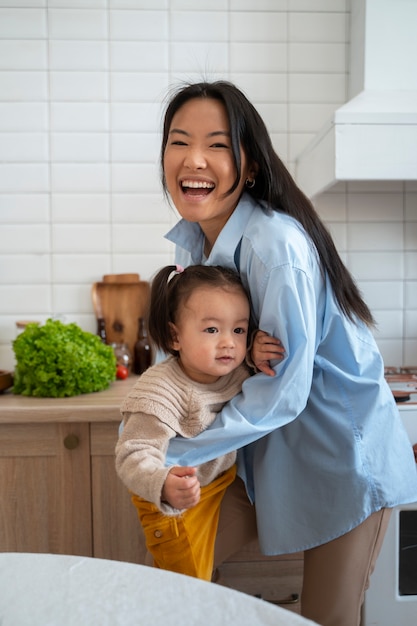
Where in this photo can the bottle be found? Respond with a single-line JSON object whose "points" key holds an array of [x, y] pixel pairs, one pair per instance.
{"points": [[101, 329], [142, 352]]}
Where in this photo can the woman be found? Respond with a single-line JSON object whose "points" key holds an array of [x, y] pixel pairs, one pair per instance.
{"points": [[330, 456]]}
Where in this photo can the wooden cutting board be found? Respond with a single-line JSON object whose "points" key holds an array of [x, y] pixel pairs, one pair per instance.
{"points": [[121, 304]]}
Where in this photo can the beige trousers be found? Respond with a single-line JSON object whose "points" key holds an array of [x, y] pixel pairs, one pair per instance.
{"points": [[336, 574]]}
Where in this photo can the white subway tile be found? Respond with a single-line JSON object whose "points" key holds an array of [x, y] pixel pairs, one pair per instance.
{"points": [[410, 262], [376, 265], [308, 118], [210, 26], [136, 117], [324, 88], [202, 5], [410, 293], [24, 178], [79, 86], [275, 116], [317, 57], [257, 57], [410, 236], [319, 5], [79, 268], [139, 238], [141, 208], [280, 145], [331, 206], [21, 299], [24, 239], [260, 5], [23, 116], [81, 238], [23, 147], [261, 27], [317, 27], [23, 55], [25, 269], [146, 265], [391, 351], [139, 25], [143, 147], [23, 86], [375, 186], [139, 4], [376, 236], [73, 300], [78, 55], [203, 58], [18, 208], [389, 324], [81, 4], [375, 207], [262, 87], [79, 116], [411, 324], [80, 208], [136, 178], [410, 352], [297, 142], [138, 86], [77, 24], [338, 232], [133, 56], [79, 178], [411, 206], [383, 294], [79, 147], [22, 23]]}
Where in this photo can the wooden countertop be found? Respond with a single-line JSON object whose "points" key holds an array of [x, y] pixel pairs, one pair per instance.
{"points": [[102, 406]]}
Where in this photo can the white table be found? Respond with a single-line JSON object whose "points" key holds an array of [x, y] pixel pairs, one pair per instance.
{"points": [[57, 590]]}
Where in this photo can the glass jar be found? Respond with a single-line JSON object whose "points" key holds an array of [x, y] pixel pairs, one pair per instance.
{"points": [[122, 354]]}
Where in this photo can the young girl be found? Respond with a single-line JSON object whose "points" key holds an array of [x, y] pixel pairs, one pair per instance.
{"points": [[200, 316], [332, 456]]}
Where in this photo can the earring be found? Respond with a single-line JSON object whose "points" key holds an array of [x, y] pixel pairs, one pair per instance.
{"points": [[250, 183]]}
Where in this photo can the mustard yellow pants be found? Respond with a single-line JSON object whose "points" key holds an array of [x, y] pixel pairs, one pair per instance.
{"points": [[185, 543]]}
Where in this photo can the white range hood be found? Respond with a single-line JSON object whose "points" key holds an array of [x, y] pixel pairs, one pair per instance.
{"points": [[374, 135]]}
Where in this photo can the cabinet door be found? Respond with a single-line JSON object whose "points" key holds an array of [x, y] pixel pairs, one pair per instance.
{"points": [[117, 533], [45, 488]]}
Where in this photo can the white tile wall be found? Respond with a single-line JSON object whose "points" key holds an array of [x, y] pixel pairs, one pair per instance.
{"points": [[82, 86]]}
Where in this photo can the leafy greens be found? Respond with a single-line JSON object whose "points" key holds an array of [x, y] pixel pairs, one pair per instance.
{"points": [[58, 360]]}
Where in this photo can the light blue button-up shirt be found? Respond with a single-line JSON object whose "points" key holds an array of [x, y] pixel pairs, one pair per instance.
{"points": [[326, 444]]}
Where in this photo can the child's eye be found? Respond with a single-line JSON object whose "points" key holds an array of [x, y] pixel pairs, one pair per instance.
{"points": [[211, 329], [240, 331]]}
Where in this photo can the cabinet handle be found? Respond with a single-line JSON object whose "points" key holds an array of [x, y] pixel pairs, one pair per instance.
{"points": [[71, 442], [293, 598]]}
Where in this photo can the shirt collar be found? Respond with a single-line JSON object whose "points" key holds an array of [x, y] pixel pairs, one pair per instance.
{"points": [[188, 235]]}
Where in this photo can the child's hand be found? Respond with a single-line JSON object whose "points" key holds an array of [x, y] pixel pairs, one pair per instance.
{"points": [[265, 349], [181, 488]]}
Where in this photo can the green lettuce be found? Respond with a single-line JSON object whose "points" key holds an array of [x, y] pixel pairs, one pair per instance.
{"points": [[58, 360]]}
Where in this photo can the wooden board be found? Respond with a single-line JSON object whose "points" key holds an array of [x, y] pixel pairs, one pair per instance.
{"points": [[121, 304]]}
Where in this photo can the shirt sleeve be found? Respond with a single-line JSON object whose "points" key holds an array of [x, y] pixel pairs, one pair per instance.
{"points": [[287, 303]]}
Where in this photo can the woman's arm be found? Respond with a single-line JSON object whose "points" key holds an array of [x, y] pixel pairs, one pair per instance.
{"points": [[287, 310]]}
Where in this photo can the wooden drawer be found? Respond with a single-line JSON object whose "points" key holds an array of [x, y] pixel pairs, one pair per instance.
{"points": [[275, 579]]}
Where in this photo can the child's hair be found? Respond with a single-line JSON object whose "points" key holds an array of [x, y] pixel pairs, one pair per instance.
{"points": [[172, 286]]}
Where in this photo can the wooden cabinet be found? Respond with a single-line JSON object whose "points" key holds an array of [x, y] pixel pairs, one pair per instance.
{"points": [[275, 579], [59, 492]]}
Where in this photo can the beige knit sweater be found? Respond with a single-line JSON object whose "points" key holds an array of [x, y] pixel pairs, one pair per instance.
{"points": [[165, 403]]}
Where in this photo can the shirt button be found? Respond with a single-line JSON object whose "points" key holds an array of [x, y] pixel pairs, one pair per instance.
{"points": [[158, 534]]}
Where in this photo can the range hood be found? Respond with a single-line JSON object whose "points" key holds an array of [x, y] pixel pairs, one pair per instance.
{"points": [[374, 135]]}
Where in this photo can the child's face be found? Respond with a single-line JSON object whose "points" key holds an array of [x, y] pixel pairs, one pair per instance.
{"points": [[211, 333], [199, 167]]}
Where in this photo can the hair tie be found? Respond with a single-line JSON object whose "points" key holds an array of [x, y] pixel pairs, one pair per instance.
{"points": [[178, 270]]}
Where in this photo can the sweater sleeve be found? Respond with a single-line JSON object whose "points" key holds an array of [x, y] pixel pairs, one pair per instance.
{"points": [[140, 458]]}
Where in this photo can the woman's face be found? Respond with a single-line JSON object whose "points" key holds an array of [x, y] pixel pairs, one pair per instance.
{"points": [[198, 165]]}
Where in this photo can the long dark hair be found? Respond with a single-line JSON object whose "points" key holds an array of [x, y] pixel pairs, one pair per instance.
{"points": [[274, 184], [171, 289]]}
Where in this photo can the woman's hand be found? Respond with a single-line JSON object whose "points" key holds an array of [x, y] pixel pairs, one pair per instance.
{"points": [[265, 349], [181, 488]]}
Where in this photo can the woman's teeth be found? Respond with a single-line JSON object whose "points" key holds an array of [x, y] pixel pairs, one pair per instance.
{"points": [[194, 184]]}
